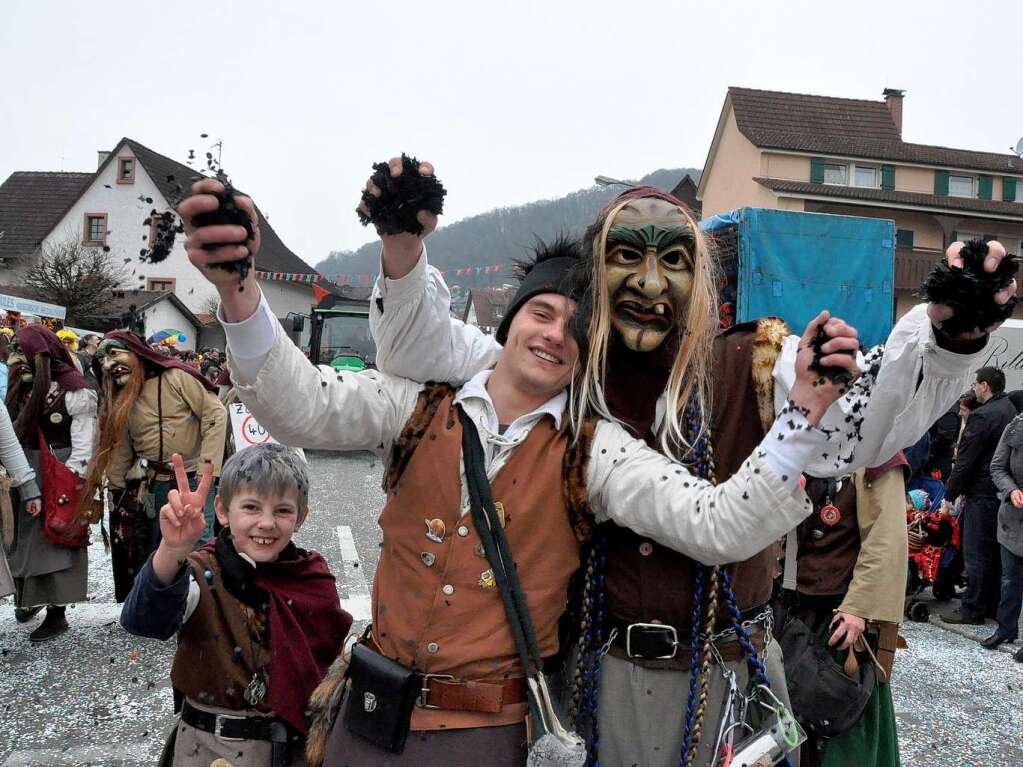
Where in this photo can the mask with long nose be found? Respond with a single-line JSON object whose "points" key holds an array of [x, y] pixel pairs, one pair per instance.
{"points": [[117, 361], [649, 265], [19, 368]]}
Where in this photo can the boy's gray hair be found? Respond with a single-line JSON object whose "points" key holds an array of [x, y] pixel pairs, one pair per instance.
{"points": [[270, 469]]}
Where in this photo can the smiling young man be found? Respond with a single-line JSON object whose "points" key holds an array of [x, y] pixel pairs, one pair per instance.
{"points": [[436, 610]]}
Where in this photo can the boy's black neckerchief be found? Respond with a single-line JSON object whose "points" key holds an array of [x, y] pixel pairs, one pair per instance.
{"points": [[237, 573]]}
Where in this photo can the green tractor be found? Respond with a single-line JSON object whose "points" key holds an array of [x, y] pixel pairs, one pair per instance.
{"points": [[338, 331]]}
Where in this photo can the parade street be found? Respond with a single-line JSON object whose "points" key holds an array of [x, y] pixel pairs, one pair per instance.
{"points": [[98, 696]]}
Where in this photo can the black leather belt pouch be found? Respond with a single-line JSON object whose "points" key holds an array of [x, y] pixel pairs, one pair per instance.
{"points": [[380, 699]]}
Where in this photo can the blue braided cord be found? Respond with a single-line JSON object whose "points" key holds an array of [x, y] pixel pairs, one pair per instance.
{"points": [[756, 667], [696, 656], [594, 659]]}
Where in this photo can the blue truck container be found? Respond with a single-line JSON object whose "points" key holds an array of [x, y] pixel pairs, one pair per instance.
{"points": [[792, 265]]}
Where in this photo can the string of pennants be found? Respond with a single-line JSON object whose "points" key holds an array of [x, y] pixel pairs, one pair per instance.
{"points": [[365, 278]]}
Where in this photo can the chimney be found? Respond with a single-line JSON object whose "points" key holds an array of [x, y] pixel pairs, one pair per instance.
{"points": [[893, 100], [102, 156]]}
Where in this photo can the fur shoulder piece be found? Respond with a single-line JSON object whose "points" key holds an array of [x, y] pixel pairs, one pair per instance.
{"points": [[401, 451], [577, 458], [324, 707], [771, 331]]}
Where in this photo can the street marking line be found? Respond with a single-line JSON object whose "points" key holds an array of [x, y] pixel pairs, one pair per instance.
{"points": [[358, 602]]}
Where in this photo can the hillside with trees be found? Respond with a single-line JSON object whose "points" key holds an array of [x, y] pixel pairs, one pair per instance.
{"points": [[500, 236]]}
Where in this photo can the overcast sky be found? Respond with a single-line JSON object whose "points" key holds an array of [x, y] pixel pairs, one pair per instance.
{"points": [[513, 101]]}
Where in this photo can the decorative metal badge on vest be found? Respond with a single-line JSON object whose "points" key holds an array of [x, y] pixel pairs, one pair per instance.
{"points": [[830, 515], [56, 417], [256, 690], [436, 530], [486, 580], [428, 558], [369, 702]]}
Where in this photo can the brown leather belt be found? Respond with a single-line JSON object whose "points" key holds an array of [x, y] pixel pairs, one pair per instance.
{"points": [[441, 691], [479, 697]]}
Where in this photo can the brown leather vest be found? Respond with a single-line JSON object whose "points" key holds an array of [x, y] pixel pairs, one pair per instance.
{"points": [[647, 582], [435, 605], [219, 647], [828, 553]]}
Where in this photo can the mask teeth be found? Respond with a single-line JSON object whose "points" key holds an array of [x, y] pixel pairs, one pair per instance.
{"points": [[659, 309]]}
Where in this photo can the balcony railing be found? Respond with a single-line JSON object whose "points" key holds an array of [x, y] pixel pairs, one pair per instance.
{"points": [[912, 265]]}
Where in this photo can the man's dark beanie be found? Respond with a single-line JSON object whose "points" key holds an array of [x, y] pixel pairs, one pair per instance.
{"points": [[554, 269]]}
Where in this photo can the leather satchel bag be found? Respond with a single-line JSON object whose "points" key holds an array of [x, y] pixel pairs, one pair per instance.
{"points": [[380, 699], [824, 698], [62, 489]]}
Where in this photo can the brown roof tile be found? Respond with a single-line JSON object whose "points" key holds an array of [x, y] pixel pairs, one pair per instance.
{"points": [[31, 204], [490, 304], [964, 204], [847, 127]]}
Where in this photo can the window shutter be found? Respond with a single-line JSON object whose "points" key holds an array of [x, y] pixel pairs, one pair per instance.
{"points": [[816, 170], [941, 183], [904, 238], [984, 187], [888, 177], [1008, 189]]}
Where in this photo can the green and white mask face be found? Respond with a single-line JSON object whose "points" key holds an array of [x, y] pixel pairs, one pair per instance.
{"points": [[19, 367], [117, 361], [649, 264]]}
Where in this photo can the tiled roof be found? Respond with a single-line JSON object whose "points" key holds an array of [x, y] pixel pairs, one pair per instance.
{"points": [[274, 255], [123, 301], [963, 204], [490, 304], [846, 127], [31, 204]]}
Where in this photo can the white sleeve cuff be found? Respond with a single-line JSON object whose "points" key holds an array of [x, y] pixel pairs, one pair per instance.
{"points": [[253, 337], [791, 445], [411, 284]]}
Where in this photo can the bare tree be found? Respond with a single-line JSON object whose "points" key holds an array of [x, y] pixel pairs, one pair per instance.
{"points": [[210, 305], [77, 277]]}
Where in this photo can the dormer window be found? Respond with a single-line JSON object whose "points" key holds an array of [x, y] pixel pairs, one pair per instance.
{"points": [[866, 176], [962, 186], [836, 175], [125, 170]]}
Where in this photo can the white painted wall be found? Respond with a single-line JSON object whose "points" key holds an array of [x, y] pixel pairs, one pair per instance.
{"points": [[127, 235], [164, 315], [287, 297]]}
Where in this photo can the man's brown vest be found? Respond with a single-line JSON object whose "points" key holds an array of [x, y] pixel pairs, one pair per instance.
{"points": [[647, 582], [219, 647], [828, 553], [436, 607]]}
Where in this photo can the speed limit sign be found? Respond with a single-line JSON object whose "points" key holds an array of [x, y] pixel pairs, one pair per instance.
{"points": [[247, 430]]}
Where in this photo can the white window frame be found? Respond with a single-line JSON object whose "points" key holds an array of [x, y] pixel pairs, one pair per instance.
{"points": [[1019, 190], [877, 176], [967, 236], [973, 186], [832, 166]]}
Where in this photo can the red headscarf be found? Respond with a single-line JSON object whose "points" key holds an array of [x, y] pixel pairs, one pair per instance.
{"points": [[139, 347], [39, 339]]}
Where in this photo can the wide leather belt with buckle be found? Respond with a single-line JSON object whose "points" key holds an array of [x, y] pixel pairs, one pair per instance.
{"points": [[442, 691], [648, 641], [228, 727]]}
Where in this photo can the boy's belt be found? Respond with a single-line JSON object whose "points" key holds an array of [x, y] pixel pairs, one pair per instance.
{"points": [[228, 727]]}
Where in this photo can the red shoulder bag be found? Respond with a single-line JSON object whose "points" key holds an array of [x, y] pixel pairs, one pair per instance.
{"points": [[62, 489]]}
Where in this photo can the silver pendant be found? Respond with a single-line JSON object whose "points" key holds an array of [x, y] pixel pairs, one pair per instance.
{"points": [[256, 690]]}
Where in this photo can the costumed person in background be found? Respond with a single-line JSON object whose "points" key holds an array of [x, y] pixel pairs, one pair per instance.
{"points": [[258, 620], [6, 334], [657, 364], [440, 614], [153, 406], [47, 394], [18, 486], [840, 606]]}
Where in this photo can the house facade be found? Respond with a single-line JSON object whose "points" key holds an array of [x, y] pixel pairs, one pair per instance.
{"points": [[110, 208], [820, 154]]}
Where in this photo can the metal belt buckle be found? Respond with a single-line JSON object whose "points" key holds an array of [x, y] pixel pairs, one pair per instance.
{"points": [[424, 690], [218, 725], [670, 631]]}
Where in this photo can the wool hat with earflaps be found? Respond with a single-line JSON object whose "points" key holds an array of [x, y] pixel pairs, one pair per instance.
{"points": [[554, 268]]}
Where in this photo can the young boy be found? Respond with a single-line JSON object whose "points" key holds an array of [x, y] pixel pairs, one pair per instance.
{"points": [[258, 619]]}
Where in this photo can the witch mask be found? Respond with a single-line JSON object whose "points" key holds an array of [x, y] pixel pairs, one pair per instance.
{"points": [[648, 258], [117, 361], [19, 367]]}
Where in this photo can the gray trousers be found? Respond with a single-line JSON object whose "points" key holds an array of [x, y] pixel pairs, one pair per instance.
{"points": [[642, 711]]}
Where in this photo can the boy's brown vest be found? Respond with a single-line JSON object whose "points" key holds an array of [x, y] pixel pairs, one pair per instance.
{"points": [[219, 648], [647, 582], [436, 607]]}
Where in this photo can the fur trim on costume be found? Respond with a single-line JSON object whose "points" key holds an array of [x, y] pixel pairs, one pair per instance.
{"points": [[324, 707], [771, 331], [577, 458], [403, 448]]}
